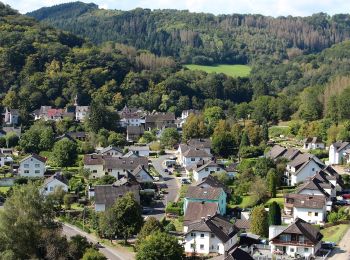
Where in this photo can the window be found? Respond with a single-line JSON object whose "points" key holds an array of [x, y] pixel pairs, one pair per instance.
{"points": [[212, 235], [193, 234], [316, 214], [37, 171], [193, 159], [306, 249], [217, 169], [94, 171], [51, 188], [206, 169], [309, 214], [37, 165], [26, 171], [192, 245], [313, 169], [292, 249], [202, 247], [202, 235], [26, 165]]}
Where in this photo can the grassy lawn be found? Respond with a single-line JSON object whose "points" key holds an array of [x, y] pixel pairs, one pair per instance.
{"points": [[4, 189], [280, 201], [230, 70], [178, 224], [247, 202], [335, 233]]}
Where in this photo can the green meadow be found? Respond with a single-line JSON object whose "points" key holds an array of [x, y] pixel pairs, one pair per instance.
{"points": [[230, 70]]}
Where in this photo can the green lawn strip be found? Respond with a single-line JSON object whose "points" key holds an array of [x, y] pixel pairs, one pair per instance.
{"points": [[230, 70], [334, 233], [280, 201], [247, 202], [4, 189]]}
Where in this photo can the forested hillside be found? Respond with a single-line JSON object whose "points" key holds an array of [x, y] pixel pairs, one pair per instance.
{"points": [[201, 38], [40, 65]]}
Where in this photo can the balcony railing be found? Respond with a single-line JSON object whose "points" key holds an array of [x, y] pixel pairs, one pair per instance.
{"points": [[292, 242]]}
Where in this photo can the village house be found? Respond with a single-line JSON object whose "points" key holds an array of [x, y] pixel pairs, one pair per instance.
{"points": [[111, 151], [11, 116], [47, 113], [312, 143], [278, 152], [208, 195], [160, 121], [238, 254], [298, 239], [213, 182], [317, 185], [301, 168], [106, 195], [203, 144], [133, 133], [32, 166], [336, 152], [131, 117], [81, 112], [10, 129], [204, 168], [199, 210], [5, 159], [139, 150], [210, 235], [100, 165], [54, 182], [310, 208], [142, 175], [189, 156]]}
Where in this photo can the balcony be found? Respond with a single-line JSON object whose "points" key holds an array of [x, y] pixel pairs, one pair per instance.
{"points": [[292, 242]]}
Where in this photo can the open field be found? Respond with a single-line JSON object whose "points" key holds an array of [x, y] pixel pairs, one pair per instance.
{"points": [[335, 233], [230, 70]]}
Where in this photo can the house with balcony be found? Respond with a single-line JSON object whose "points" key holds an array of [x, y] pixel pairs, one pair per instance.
{"points": [[301, 168], [310, 208], [210, 235], [298, 239]]}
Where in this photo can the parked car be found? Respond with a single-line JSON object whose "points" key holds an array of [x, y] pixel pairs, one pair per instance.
{"points": [[328, 245], [147, 210], [185, 181]]}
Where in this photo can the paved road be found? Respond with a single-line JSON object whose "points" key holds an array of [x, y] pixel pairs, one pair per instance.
{"points": [[342, 251], [173, 186], [109, 252]]}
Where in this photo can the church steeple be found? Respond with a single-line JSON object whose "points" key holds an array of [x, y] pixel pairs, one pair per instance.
{"points": [[76, 100]]}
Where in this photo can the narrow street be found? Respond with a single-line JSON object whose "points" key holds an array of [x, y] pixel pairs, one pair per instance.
{"points": [[342, 251], [172, 184], [109, 252]]}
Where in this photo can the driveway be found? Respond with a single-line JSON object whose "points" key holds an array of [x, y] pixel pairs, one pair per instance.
{"points": [[109, 252], [172, 184], [342, 251]]}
